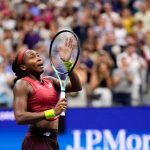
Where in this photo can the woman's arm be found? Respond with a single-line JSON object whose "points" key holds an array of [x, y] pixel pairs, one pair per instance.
{"points": [[65, 52], [21, 92], [73, 85]]}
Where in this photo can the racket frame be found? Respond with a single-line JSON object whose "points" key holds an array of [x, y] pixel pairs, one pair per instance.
{"points": [[63, 83]]}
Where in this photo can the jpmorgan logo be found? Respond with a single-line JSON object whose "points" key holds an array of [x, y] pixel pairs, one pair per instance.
{"points": [[106, 140], [7, 116]]}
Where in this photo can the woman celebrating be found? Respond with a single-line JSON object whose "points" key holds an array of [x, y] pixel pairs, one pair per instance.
{"points": [[36, 101]]}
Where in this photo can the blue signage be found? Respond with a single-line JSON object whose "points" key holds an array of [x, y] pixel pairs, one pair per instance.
{"points": [[106, 139], [115, 128]]}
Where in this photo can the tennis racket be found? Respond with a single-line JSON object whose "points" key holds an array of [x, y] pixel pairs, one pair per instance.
{"points": [[64, 46]]}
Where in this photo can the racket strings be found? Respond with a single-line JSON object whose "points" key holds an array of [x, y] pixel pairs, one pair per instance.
{"points": [[60, 46]]}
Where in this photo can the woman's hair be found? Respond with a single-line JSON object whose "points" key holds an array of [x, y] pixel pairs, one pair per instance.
{"points": [[17, 70]]}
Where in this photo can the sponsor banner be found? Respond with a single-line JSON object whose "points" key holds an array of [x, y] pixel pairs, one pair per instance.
{"points": [[106, 139], [109, 118], [121, 128], [6, 115]]}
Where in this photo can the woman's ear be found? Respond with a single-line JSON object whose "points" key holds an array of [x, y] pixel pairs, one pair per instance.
{"points": [[23, 67]]}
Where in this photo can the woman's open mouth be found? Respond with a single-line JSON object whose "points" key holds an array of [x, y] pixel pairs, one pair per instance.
{"points": [[40, 65]]}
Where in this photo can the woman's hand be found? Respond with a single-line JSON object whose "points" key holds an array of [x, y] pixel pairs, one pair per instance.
{"points": [[60, 107], [65, 49]]}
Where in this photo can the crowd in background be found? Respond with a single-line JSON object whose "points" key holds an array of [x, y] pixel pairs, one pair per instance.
{"points": [[114, 65]]}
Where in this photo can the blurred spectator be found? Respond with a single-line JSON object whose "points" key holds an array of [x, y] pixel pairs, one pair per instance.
{"points": [[139, 30], [79, 99], [101, 94], [88, 62], [9, 22], [143, 15], [32, 38], [108, 31], [106, 58], [111, 47], [6, 80], [127, 20], [137, 65], [120, 34], [44, 31], [66, 19], [145, 53], [110, 16], [101, 84], [81, 28], [122, 83], [7, 40], [101, 27]]}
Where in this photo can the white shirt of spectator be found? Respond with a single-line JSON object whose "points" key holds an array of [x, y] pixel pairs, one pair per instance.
{"points": [[136, 62], [145, 18], [120, 35], [113, 17]]}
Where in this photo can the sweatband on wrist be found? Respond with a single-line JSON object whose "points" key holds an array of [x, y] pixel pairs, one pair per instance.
{"points": [[49, 114], [68, 65]]}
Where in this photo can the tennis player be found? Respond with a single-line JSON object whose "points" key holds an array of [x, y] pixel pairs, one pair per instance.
{"points": [[36, 99]]}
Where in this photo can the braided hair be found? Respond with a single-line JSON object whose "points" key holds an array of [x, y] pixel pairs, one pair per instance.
{"points": [[16, 67]]}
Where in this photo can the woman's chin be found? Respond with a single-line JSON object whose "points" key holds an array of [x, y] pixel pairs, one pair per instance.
{"points": [[40, 71]]}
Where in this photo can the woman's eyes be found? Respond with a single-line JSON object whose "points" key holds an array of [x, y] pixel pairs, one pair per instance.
{"points": [[32, 56]]}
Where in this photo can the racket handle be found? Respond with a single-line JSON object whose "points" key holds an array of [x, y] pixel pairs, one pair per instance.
{"points": [[62, 95], [62, 114]]}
